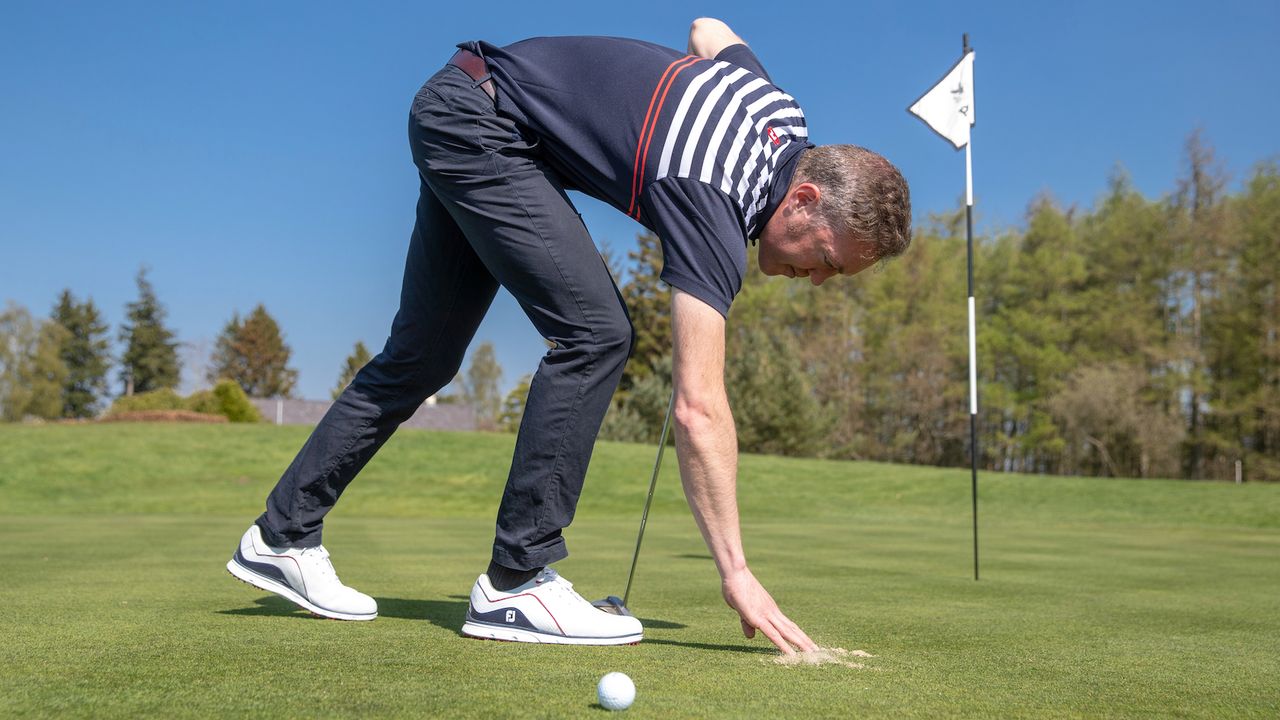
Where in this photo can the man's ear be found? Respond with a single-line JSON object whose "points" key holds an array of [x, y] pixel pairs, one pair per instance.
{"points": [[805, 195]]}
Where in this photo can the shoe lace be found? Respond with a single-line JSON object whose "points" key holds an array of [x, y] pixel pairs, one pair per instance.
{"points": [[560, 585], [318, 558]]}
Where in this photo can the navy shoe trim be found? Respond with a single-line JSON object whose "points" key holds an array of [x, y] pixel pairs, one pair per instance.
{"points": [[266, 570], [502, 617], [498, 619]]}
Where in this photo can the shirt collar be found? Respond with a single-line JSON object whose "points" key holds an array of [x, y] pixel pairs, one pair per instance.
{"points": [[780, 183]]}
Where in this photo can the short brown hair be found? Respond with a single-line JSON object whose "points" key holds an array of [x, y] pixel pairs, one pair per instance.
{"points": [[863, 195]]}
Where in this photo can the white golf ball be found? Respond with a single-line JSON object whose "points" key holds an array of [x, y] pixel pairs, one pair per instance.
{"points": [[616, 691]]}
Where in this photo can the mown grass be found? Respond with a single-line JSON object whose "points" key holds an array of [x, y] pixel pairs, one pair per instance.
{"points": [[1098, 598]]}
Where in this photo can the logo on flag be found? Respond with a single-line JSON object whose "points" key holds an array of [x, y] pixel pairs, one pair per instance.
{"points": [[947, 108]]}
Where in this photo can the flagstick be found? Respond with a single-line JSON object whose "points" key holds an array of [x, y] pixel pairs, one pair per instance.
{"points": [[973, 340]]}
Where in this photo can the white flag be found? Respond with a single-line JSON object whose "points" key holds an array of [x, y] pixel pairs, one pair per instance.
{"points": [[948, 106]]}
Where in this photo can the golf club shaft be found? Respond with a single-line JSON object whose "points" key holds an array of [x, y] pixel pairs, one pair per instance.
{"points": [[653, 483]]}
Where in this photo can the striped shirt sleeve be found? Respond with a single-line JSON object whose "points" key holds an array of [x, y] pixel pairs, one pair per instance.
{"points": [[742, 56], [704, 244]]}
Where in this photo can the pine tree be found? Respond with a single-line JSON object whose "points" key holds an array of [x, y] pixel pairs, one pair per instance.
{"points": [[358, 358], [32, 372], [1129, 256], [819, 328], [226, 361], [912, 369], [86, 353], [480, 387], [253, 353], [774, 407], [1242, 338], [645, 406], [1199, 234], [648, 302], [1127, 271], [150, 360], [1030, 335]]}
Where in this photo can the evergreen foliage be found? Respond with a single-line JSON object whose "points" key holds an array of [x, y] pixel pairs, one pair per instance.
{"points": [[150, 360], [86, 352], [1139, 337], [772, 397], [358, 358], [637, 415], [648, 302], [253, 353]]}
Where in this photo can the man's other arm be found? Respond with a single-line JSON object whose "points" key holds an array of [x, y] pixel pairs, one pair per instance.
{"points": [[707, 446], [708, 36]]}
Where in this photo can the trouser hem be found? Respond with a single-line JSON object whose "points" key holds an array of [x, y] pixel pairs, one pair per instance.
{"points": [[530, 561], [277, 539]]}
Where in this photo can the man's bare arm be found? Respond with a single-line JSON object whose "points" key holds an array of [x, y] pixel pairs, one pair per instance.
{"points": [[707, 446], [708, 36]]}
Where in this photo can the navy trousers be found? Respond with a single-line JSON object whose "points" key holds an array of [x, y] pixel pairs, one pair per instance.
{"points": [[490, 212]]}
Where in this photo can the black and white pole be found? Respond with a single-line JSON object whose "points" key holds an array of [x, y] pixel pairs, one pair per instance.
{"points": [[973, 334], [947, 108]]}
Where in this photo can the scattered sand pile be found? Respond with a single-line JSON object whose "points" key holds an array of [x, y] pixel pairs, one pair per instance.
{"points": [[825, 656]]}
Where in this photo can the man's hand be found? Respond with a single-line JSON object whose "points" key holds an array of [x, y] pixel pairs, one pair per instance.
{"points": [[708, 36], [758, 611], [707, 447]]}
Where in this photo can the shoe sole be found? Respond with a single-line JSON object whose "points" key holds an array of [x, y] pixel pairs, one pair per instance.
{"points": [[261, 582], [507, 634]]}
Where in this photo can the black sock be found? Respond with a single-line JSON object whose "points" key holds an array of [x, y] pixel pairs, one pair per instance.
{"points": [[504, 578]]}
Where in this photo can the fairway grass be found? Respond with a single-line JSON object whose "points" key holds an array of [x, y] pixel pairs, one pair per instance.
{"points": [[1098, 598]]}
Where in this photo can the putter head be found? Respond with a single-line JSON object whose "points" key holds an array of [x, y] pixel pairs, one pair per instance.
{"points": [[612, 604]]}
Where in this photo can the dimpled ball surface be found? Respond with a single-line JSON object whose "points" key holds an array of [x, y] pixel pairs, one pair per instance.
{"points": [[616, 691]]}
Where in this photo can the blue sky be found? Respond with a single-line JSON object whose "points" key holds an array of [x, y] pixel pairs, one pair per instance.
{"points": [[254, 152]]}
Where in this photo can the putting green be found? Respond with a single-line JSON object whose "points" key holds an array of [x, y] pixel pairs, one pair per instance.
{"points": [[1098, 598]]}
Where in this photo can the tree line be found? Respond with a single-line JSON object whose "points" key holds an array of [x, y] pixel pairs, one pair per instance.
{"points": [[1136, 338], [59, 367], [1139, 337]]}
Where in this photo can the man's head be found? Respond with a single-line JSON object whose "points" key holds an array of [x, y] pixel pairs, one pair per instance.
{"points": [[846, 209]]}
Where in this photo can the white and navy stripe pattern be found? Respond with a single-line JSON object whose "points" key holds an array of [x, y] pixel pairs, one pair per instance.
{"points": [[727, 130]]}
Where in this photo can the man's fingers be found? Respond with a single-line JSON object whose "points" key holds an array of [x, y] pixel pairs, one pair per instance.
{"points": [[757, 611], [776, 638], [801, 640], [797, 636]]}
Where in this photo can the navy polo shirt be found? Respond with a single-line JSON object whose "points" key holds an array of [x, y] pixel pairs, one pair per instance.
{"points": [[698, 151]]}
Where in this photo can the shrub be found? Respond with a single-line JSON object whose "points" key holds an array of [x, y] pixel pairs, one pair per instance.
{"points": [[204, 401], [164, 399], [233, 404], [225, 399]]}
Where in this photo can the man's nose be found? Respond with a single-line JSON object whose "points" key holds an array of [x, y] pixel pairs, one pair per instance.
{"points": [[817, 277]]}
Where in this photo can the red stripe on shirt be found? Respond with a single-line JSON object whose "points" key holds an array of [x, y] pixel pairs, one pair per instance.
{"points": [[650, 122]]}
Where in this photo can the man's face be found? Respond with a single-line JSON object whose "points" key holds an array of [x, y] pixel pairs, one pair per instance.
{"points": [[795, 243]]}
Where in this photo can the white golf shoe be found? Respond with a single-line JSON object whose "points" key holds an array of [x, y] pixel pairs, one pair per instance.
{"points": [[545, 610], [301, 575]]}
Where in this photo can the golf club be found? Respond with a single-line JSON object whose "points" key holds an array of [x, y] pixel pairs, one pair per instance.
{"points": [[612, 603]]}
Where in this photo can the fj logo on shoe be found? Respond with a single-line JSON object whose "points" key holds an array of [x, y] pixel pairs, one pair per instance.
{"points": [[511, 616]]}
